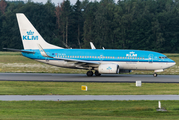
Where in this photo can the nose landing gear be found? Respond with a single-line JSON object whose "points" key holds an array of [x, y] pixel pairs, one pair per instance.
{"points": [[155, 74]]}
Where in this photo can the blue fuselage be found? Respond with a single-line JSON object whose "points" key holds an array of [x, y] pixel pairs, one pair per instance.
{"points": [[102, 55]]}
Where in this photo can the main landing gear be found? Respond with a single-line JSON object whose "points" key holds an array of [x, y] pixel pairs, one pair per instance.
{"points": [[90, 73], [155, 74], [97, 73]]}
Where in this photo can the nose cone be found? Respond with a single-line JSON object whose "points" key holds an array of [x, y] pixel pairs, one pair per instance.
{"points": [[172, 63]]}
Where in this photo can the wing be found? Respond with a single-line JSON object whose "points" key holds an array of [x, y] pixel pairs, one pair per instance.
{"points": [[83, 63]]}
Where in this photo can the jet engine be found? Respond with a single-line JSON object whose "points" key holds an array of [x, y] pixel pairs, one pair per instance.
{"points": [[108, 68]]}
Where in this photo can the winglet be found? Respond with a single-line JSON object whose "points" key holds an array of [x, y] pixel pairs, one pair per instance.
{"points": [[92, 46]]}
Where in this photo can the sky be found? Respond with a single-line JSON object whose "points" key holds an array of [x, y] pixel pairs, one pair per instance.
{"points": [[57, 1]]}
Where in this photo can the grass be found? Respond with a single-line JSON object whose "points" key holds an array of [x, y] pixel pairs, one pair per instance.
{"points": [[96, 110], [15, 62], [74, 88]]}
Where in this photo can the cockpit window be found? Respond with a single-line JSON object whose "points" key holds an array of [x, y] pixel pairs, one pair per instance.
{"points": [[163, 57]]}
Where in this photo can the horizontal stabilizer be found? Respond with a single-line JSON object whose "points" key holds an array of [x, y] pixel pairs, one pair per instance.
{"points": [[18, 50]]}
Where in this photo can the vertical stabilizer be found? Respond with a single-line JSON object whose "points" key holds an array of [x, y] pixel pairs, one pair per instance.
{"points": [[30, 36]]}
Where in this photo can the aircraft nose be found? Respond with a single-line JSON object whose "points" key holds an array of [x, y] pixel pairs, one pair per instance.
{"points": [[173, 63]]}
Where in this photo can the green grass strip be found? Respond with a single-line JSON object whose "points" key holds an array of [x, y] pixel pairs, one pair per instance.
{"points": [[74, 88], [96, 110]]}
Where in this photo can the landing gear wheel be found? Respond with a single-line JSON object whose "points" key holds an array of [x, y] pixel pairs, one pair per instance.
{"points": [[97, 73], [155, 74], [89, 73]]}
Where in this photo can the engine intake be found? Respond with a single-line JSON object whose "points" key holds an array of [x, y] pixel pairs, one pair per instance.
{"points": [[108, 68]]}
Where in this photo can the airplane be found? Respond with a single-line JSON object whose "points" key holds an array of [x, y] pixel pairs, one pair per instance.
{"points": [[108, 61]]}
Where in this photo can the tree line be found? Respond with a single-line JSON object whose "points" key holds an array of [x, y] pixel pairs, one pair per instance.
{"points": [[127, 24]]}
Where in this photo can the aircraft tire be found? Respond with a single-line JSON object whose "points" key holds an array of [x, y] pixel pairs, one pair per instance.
{"points": [[97, 73], [89, 73], [155, 74]]}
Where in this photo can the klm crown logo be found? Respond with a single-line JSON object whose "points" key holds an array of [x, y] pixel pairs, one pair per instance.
{"points": [[109, 68], [30, 36], [30, 33]]}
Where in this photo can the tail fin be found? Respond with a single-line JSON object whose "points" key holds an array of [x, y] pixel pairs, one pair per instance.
{"points": [[30, 36]]}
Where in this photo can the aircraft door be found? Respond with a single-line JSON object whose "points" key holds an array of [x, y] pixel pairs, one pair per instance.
{"points": [[101, 57]]}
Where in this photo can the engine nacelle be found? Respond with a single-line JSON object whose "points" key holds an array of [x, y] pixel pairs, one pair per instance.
{"points": [[124, 71], [108, 68]]}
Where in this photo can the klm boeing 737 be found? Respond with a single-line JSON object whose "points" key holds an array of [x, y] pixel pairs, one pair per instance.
{"points": [[102, 61]]}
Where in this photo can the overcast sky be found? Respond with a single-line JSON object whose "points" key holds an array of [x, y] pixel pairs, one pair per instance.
{"points": [[58, 1]]}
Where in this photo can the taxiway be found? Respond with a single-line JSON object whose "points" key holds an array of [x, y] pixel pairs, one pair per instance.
{"points": [[83, 78]]}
